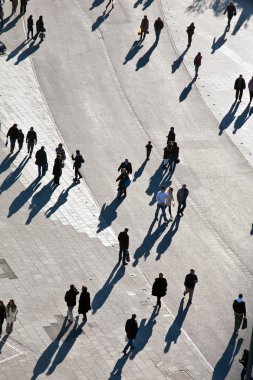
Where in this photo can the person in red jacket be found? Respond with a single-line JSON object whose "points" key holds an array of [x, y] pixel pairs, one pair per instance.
{"points": [[197, 63]]}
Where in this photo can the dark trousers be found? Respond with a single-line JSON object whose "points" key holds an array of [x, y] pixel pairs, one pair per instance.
{"points": [[41, 170], [250, 95], [129, 344], [189, 39], [243, 373], [239, 93], [23, 7], [57, 179], [181, 207], [229, 20], [30, 146], [12, 144], [161, 207], [2, 22], [20, 145], [157, 33], [122, 190], [77, 173], [30, 30], [143, 35], [148, 153], [158, 302], [122, 254], [172, 164]]}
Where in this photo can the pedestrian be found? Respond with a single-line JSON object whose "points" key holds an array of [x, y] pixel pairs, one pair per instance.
{"points": [[182, 195], [31, 140], [170, 201], [39, 27], [1, 16], [144, 27], [190, 281], [174, 157], [171, 135], [167, 155], [57, 170], [11, 315], [14, 6], [244, 362], [131, 329], [84, 303], [23, 5], [161, 199], [239, 308], [124, 182], [110, 2], [20, 139], [2, 316], [13, 135], [190, 31], [197, 63], [159, 289], [126, 165], [29, 26], [60, 150], [77, 165], [70, 299], [231, 11], [123, 239], [158, 25], [239, 87], [149, 147], [41, 161], [250, 87]]}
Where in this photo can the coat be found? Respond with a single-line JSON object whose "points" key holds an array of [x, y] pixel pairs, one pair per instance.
{"points": [[39, 25], [41, 157], [182, 194], [2, 313], [127, 166], [250, 85], [231, 10], [239, 84], [197, 60], [190, 280], [84, 303], [171, 136], [131, 328], [29, 23], [123, 239], [190, 30], [158, 25], [13, 133], [78, 161], [167, 152], [159, 288], [144, 25], [31, 136], [239, 307], [70, 297], [123, 180], [11, 314], [57, 169], [175, 152]]}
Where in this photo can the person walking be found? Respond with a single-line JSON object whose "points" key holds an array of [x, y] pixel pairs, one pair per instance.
{"points": [[126, 165], [182, 195], [190, 281], [159, 289], [123, 239], [131, 329], [23, 5], [2, 316], [14, 6], [124, 181], [239, 87], [41, 161], [20, 139], [39, 27], [174, 153], [77, 165], [250, 87], [161, 199], [190, 31], [239, 308], [244, 362], [197, 63], [158, 26], [167, 155], [149, 147], [57, 170], [29, 26], [70, 299], [84, 303], [171, 135], [1, 16], [144, 28], [31, 140], [60, 150], [170, 201], [231, 11], [13, 136], [11, 316]]}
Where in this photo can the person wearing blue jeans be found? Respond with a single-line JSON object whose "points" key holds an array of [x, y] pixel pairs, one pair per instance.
{"points": [[131, 329], [161, 198]]}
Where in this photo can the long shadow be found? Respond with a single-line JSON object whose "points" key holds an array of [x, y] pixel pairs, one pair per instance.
{"points": [[14, 52], [154, 183], [144, 333], [176, 64], [46, 357], [66, 346], [63, 197], [241, 119], [228, 118], [8, 160], [108, 214], [144, 60], [39, 200], [217, 44], [2, 342], [174, 331], [139, 171], [100, 20], [187, 90], [26, 53], [138, 2], [244, 17], [96, 3], [135, 48], [167, 239], [224, 365], [147, 4], [7, 19], [13, 176], [148, 242], [118, 368], [102, 295], [11, 24]]}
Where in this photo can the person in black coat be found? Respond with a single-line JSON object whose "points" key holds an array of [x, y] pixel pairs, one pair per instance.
{"points": [[29, 26], [239, 86], [239, 308], [31, 140], [2, 316], [20, 139], [70, 299], [126, 165], [167, 155], [13, 135], [123, 239], [159, 289], [231, 11], [123, 179], [190, 281], [148, 147], [158, 26], [84, 303], [41, 161], [182, 195], [174, 157], [57, 169], [39, 27], [131, 329], [23, 5], [244, 361], [190, 31], [77, 164], [171, 135]]}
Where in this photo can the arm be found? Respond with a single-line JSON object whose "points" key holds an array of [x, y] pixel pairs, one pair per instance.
{"points": [[120, 167], [119, 178], [35, 138]]}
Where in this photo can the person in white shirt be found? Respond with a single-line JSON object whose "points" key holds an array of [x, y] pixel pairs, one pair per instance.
{"points": [[161, 199], [170, 200]]}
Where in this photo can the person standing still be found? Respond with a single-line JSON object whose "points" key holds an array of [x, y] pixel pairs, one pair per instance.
{"points": [[144, 28], [123, 239], [161, 199], [159, 289], [2, 316], [231, 11], [149, 147], [182, 195], [244, 362], [11, 316], [57, 170], [170, 201], [29, 26], [250, 87], [60, 150], [190, 281], [39, 27], [41, 161], [84, 303], [131, 329], [190, 31], [239, 308], [70, 299], [77, 165], [124, 181], [13, 135], [197, 63], [239, 87], [158, 26], [31, 140]]}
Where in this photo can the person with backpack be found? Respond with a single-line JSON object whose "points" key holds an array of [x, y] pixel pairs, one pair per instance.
{"points": [[197, 63], [77, 164], [190, 31], [70, 299]]}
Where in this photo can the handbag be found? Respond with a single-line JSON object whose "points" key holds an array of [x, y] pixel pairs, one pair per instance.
{"points": [[139, 31], [127, 256], [244, 323]]}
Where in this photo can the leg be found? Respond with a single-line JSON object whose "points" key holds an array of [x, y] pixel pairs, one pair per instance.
{"points": [[157, 211], [191, 294], [187, 290], [39, 170], [243, 373], [124, 250], [120, 253], [158, 303], [31, 148], [70, 313], [79, 174], [127, 346], [183, 205], [179, 208], [164, 213], [84, 317], [238, 321], [76, 173], [170, 212], [124, 192], [240, 94]]}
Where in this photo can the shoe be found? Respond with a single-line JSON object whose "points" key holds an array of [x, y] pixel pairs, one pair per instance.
{"points": [[124, 352]]}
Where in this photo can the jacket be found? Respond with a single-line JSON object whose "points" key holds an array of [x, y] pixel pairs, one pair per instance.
{"points": [[84, 303], [41, 157], [197, 60], [21, 137], [70, 297], [31, 136], [231, 10], [123, 179], [123, 239], [11, 314], [2, 313], [127, 166], [171, 136], [190, 30], [158, 25], [250, 85], [175, 152], [78, 161], [190, 280], [182, 195], [13, 133], [144, 25], [239, 84], [239, 307], [167, 152], [57, 169], [29, 23], [159, 288], [131, 328], [61, 152], [39, 25]]}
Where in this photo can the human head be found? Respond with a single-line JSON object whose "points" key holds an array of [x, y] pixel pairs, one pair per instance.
{"points": [[184, 186], [240, 75], [163, 188], [84, 288], [133, 316], [145, 16], [77, 151], [172, 129], [31, 129], [199, 53], [170, 190], [149, 142], [40, 18], [42, 148], [14, 125], [192, 271], [11, 302], [60, 145], [161, 274], [72, 286], [126, 159], [126, 230], [240, 296]]}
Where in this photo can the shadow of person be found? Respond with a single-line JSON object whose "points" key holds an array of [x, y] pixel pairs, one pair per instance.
{"points": [[154, 184], [11, 24], [148, 242], [13, 176], [2, 342], [45, 359], [14, 52], [228, 118], [108, 214], [8, 160], [224, 364], [66, 346], [117, 370], [175, 329], [244, 17], [139, 171], [144, 60], [63, 197], [144, 334], [241, 119], [100, 20], [217, 44], [176, 64], [167, 239], [138, 2], [96, 3], [135, 48], [26, 53], [103, 293], [147, 4], [187, 90], [39, 200]]}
